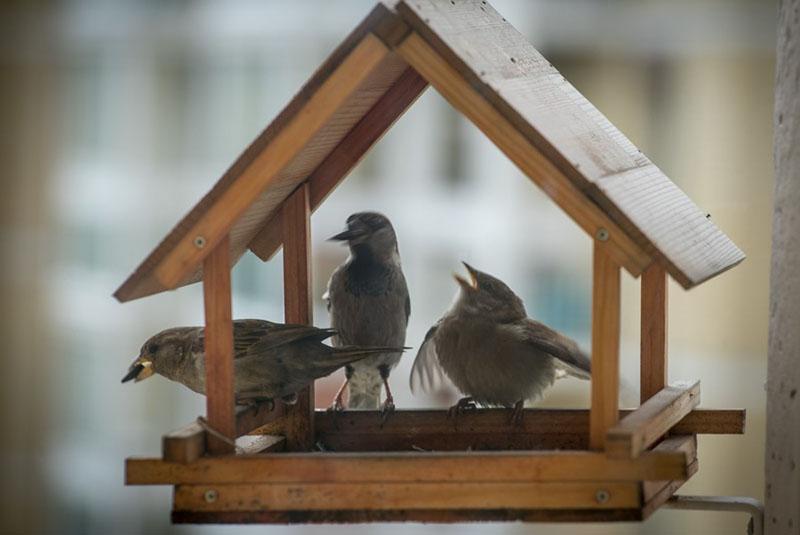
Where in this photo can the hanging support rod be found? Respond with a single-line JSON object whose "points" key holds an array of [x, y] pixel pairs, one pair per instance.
{"points": [[741, 504]]}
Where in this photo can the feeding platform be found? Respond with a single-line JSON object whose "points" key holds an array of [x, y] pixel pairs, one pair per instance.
{"points": [[600, 464]]}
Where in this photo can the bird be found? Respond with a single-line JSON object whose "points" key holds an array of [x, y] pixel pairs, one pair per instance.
{"points": [[270, 360], [489, 348], [368, 301]]}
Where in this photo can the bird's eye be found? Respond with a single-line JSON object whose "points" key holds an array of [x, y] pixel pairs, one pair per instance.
{"points": [[152, 349]]}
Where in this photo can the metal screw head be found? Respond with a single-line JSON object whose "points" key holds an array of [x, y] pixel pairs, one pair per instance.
{"points": [[199, 242], [602, 234], [210, 496], [602, 496]]}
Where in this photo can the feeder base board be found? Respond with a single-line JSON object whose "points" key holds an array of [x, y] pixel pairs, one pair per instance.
{"points": [[423, 516]]}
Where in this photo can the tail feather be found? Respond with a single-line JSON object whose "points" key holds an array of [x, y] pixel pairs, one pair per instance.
{"points": [[366, 351], [347, 354], [579, 366], [364, 391]]}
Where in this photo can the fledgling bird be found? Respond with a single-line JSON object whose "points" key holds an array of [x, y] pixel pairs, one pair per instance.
{"points": [[271, 360], [491, 351], [368, 301]]}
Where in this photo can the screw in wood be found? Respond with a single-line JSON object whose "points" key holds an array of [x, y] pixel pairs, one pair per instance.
{"points": [[210, 496], [602, 234], [199, 242], [602, 496]]}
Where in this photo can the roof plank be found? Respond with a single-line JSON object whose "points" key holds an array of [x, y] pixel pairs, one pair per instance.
{"points": [[336, 97], [505, 86], [278, 163], [588, 215], [588, 150], [347, 153]]}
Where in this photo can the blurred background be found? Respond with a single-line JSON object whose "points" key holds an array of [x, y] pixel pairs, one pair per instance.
{"points": [[118, 115]]}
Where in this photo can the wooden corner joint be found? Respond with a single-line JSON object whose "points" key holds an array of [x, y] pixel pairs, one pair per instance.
{"points": [[652, 420], [189, 443], [655, 493]]}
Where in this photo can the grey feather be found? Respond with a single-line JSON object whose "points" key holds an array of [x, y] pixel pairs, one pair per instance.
{"points": [[426, 373], [491, 351], [566, 351], [368, 301], [270, 360]]}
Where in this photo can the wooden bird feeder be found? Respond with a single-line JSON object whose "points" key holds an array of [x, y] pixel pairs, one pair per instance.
{"points": [[600, 464]]}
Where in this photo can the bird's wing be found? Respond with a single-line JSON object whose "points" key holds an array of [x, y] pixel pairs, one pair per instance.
{"points": [[427, 373], [569, 357], [257, 336]]}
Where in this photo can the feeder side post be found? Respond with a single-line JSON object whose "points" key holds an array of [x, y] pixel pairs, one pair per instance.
{"points": [[219, 346], [296, 224], [653, 371], [605, 346]]}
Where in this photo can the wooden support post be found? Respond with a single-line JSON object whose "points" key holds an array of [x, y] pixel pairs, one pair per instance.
{"points": [[653, 371], [219, 346], [296, 219], [605, 346]]}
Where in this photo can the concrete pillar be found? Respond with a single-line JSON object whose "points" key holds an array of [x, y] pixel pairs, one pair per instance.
{"points": [[783, 368]]}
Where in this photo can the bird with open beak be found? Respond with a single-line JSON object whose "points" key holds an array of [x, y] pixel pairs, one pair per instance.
{"points": [[486, 345], [368, 301], [270, 360]]}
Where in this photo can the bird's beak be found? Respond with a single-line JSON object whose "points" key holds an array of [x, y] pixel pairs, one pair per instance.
{"points": [[471, 284], [141, 369], [347, 235]]}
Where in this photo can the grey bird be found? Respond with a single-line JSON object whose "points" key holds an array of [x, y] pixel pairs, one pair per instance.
{"points": [[271, 360], [368, 301], [489, 348]]}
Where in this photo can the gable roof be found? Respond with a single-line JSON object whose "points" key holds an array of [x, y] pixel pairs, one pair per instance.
{"points": [[488, 71]]}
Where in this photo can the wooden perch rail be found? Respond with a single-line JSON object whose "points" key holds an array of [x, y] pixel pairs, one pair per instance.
{"points": [[432, 430], [489, 429]]}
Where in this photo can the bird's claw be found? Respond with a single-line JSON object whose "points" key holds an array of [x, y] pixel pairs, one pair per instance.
{"points": [[386, 410], [463, 405], [336, 406], [518, 413]]}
